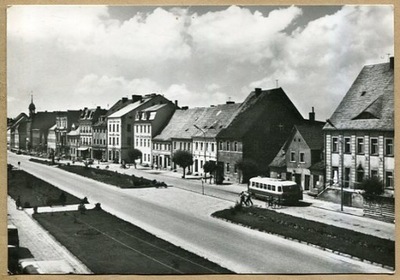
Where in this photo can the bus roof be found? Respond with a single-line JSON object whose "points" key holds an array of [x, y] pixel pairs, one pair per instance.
{"points": [[267, 180]]}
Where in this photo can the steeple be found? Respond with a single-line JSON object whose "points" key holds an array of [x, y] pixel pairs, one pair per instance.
{"points": [[32, 107]]}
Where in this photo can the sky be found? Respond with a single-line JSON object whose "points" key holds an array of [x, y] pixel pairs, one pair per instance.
{"points": [[71, 57]]}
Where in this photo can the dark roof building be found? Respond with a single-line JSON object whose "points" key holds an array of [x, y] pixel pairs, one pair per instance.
{"points": [[256, 132]]}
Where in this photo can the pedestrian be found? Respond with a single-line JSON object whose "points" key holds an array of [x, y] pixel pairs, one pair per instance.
{"points": [[242, 198], [18, 203], [248, 200]]}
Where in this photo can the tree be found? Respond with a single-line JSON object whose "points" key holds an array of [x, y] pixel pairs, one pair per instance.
{"points": [[248, 169], [372, 187], [133, 155], [209, 167], [183, 159]]}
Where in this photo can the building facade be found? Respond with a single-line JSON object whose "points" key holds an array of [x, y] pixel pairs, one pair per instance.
{"points": [[148, 123], [87, 119], [120, 130], [359, 136], [302, 150]]}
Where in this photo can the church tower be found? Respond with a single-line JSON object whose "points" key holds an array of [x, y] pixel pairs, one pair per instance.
{"points": [[32, 108]]}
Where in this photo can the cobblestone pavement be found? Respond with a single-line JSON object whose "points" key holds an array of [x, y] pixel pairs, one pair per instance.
{"points": [[41, 244]]}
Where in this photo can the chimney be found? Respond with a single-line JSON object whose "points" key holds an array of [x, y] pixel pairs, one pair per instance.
{"points": [[311, 115], [124, 99], [230, 102], [136, 97], [176, 103], [391, 62], [258, 91]]}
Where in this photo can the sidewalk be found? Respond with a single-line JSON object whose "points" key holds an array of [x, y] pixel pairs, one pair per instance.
{"points": [[42, 245]]}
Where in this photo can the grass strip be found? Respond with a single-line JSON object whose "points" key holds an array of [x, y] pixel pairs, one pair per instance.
{"points": [[109, 245], [33, 191], [113, 177], [363, 246]]}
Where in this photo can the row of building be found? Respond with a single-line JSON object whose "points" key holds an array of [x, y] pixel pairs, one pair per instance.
{"points": [[266, 130]]}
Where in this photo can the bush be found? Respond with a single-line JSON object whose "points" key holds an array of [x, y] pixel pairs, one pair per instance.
{"points": [[372, 187]]}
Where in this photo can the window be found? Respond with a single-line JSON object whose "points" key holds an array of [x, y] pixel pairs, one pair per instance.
{"points": [[360, 175], [347, 146], [360, 146], [184, 146], [180, 145], [235, 168], [128, 128], [273, 188], [374, 173], [174, 145], [212, 147], [302, 157], [201, 146], [113, 142], [221, 146], [109, 141], [188, 146], [389, 146], [228, 145], [335, 148], [292, 156], [374, 146], [235, 146], [113, 127], [117, 141], [279, 189], [389, 180], [227, 167], [197, 145]]}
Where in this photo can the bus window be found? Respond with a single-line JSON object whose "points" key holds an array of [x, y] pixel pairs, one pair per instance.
{"points": [[273, 188], [269, 187], [253, 184], [256, 185], [279, 189]]}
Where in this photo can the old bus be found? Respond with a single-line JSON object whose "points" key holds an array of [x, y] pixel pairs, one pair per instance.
{"points": [[275, 189]]}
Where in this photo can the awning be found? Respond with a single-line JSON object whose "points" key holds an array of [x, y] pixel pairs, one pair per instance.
{"points": [[83, 149]]}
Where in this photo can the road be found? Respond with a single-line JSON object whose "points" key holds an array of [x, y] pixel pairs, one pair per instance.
{"points": [[183, 218]]}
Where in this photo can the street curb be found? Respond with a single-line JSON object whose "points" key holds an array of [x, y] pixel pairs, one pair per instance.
{"points": [[310, 244]]}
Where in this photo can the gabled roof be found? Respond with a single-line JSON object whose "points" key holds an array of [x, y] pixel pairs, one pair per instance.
{"points": [[280, 158], [369, 103], [43, 120], [128, 108], [154, 107], [312, 134], [211, 120], [75, 132], [251, 110], [17, 120], [311, 131]]}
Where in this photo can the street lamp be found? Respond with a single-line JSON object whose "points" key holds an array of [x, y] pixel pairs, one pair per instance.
{"points": [[204, 136], [342, 165]]}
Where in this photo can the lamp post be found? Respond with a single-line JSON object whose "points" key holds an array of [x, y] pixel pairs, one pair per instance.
{"points": [[204, 136], [342, 165]]}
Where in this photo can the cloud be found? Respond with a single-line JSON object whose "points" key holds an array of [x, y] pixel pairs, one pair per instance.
{"points": [[319, 62], [240, 34], [145, 38], [76, 56]]}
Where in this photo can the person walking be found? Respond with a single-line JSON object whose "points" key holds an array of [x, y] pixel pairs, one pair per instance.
{"points": [[242, 196], [248, 200]]}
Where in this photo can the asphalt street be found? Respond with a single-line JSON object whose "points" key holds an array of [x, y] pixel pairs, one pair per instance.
{"points": [[235, 247]]}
